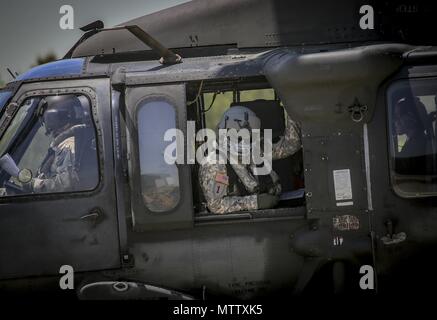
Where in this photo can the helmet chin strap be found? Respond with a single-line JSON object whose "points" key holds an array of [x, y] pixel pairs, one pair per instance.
{"points": [[239, 150], [246, 124]]}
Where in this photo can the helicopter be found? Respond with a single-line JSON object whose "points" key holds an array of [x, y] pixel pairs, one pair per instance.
{"points": [[135, 228]]}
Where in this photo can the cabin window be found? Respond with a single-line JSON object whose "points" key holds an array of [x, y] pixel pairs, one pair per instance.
{"points": [[250, 95], [218, 102], [412, 128], [4, 97], [159, 180], [217, 98], [49, 147]]}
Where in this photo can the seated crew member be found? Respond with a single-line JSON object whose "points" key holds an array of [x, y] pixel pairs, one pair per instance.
{"points": [[57, 172], [234, 187], [411, 159]]}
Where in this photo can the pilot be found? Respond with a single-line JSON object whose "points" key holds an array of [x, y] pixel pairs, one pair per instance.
{"points": [[234, 187], [409, 120], [57, 172]]}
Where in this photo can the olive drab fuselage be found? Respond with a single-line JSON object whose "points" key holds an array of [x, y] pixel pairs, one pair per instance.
{"points": [[142, 224]]}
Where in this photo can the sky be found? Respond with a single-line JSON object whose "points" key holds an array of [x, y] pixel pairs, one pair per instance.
{"points": [[31, 28]]}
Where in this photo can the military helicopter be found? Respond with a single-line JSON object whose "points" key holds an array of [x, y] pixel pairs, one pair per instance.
{"points": [[137, 229]]}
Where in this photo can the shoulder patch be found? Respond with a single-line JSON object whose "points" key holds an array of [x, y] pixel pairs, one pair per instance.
{"points": [[67, 144], [222, 177]]}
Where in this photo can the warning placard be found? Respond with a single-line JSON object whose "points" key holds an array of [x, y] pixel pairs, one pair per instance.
{"points": [[342, 184]]}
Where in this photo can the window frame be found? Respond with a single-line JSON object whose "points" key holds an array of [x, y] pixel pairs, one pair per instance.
{"points": [[143, 220], [91, 95], [143, 102], [390, 123]]}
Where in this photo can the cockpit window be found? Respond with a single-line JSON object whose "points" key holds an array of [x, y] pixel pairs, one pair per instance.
{"points": [[413, 128], [49, 147], [4, 97]]}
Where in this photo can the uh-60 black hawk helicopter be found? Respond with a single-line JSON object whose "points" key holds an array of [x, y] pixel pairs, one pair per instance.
{"points": [[135, 228]]}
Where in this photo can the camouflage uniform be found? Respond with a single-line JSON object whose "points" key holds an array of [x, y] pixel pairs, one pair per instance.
{"points": [[57, 172], [214, 178]]}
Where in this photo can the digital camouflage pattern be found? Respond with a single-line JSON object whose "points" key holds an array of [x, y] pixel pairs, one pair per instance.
{"points": [[219, 199], [213, 177], [57, 172], [289, 143]]}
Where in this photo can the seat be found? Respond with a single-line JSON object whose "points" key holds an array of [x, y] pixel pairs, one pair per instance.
{"points": [[270, 112], [272, 116], [86, 159]]}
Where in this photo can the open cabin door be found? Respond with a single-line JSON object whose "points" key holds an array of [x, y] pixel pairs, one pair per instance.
{"points": [[161, 192]]}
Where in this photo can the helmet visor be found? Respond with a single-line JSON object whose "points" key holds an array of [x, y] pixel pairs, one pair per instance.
{"points": [[51, 120]]}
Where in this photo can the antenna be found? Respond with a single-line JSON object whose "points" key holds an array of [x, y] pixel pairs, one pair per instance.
{"points": [[12, 74], [167, 56]]}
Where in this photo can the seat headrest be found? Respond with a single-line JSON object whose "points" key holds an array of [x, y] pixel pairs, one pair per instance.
{"points": [[270, 112]]}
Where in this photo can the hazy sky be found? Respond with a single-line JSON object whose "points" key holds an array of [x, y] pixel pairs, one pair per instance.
{"points": [[31, 28]]}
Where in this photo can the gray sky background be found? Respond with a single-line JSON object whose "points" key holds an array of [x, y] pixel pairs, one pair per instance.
{"points": [[31, 28]]}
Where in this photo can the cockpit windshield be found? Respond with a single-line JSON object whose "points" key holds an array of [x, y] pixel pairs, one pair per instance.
{"points": [[4, 97]]}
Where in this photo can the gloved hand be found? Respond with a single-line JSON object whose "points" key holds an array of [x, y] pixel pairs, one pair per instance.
{"points": [[266, 200], [28, 187]]}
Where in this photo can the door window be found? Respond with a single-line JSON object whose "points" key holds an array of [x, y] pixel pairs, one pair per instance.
{"points": [[49, 147], [159, 180], [412, 126]]}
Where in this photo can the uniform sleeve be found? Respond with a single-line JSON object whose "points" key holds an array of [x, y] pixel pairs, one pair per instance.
{"points": [[65, 177], [246, 177], [277, 188], [289, 143], [216, 194]]}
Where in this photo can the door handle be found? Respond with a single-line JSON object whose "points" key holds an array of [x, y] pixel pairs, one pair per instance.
{"points": [[94, 217], [90, 216], [392, 238]]}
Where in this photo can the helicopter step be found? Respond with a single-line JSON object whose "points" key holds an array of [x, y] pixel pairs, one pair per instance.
{"points": [[127, 290]]}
